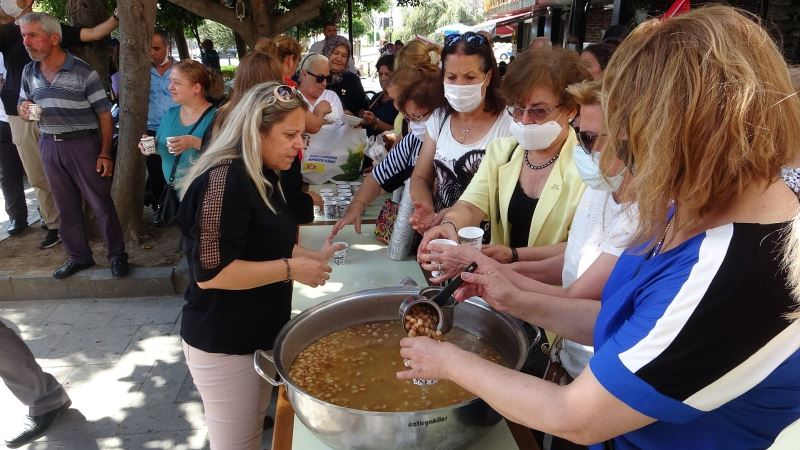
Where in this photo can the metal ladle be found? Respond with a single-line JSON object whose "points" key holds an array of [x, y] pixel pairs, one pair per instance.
{"points": [[439, 299]]}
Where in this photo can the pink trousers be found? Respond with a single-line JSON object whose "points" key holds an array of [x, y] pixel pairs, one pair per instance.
{"points": [[235, 398]]}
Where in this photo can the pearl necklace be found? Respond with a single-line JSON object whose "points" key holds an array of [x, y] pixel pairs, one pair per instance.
{"points": [[540, 166]]}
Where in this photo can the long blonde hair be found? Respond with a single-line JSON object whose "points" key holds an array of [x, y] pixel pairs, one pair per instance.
{"points": [[240, 136], [708, 109]]}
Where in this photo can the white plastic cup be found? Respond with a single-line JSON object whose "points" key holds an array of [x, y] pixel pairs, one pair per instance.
{"points": [[149, 145], [34, 112], [326, 191], [169, 143], [472, 236], [436, 273], [340, 256]]}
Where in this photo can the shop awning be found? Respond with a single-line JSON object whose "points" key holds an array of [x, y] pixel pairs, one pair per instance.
{"points": [[498, 26]]}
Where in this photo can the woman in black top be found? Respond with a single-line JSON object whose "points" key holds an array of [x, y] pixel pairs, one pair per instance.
{"points": [[381, 112], [239, 241], [346, 84]]}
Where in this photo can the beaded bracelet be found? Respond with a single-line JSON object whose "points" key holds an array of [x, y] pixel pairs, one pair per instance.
{"points": [[455, 228], [288, 271], [104, 157]]}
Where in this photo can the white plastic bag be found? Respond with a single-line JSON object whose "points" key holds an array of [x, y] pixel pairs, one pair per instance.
{"points": [[376, 148], [336, 153]]}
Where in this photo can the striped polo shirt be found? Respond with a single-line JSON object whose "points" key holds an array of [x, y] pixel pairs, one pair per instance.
{"points": [[71, 102]]}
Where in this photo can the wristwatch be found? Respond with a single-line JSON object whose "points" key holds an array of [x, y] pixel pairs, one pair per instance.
{"points": [[114, 15]]}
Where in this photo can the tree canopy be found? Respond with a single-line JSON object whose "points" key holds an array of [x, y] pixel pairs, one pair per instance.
{"points": [[424, 21]]}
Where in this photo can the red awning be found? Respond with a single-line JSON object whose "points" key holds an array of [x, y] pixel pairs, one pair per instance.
{"points": [[498, 25]]}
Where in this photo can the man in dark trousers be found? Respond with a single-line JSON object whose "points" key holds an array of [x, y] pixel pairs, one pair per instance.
{"points": [[38, 390], [76, 128], [25, 133]]}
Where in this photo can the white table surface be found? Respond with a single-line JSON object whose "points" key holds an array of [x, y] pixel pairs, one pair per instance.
{"points": [[367, 266]]}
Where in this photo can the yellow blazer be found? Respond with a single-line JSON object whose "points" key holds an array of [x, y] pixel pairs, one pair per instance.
{"points": [[492, 186]]}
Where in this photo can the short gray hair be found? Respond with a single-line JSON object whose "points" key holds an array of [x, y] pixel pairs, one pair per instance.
{"points": [[310, 60], [49, 24]]}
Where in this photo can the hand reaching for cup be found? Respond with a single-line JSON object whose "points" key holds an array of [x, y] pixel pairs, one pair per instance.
{"points": [[309, 271]]}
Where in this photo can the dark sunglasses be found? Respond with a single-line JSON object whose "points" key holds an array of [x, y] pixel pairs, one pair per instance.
{"points": [[470, 38], [320, 78], [587, 140]]}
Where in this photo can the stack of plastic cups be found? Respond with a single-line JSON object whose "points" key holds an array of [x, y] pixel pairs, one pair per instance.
{"points": [[330, 208], [402, 233]]}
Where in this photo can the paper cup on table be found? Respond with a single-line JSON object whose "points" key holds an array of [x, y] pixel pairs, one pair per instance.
{"points": [[149, 145], [472, 236], [325, 191], [34, 112], [341, 255], [436, 273]]}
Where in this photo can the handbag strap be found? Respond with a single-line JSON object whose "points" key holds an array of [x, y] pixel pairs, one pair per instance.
{"points": [[178, 158]]}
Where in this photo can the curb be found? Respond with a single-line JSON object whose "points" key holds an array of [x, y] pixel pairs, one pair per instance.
{"points": [[95, 283]]}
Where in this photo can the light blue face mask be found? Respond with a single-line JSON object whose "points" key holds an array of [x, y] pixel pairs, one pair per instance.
{"points": [[589, 169]]}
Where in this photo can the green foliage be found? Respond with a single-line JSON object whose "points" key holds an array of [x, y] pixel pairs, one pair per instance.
{"points": [[172, 17], [221, 35], [228, 72], [425, 21], [336, 11], [60, 8]]}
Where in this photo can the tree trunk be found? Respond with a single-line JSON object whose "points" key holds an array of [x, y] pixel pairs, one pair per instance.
{"points": [[261, 23], [137, 19], [87, 14], [241, 45], [180, 42]]}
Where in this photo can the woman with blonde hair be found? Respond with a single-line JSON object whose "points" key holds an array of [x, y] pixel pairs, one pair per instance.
{"points": [[239, 243], [256, 68], [697, 342]]}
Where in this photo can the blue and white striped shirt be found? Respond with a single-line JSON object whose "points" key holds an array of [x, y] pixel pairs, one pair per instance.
{"points": [[71, 102], [397, 167]]}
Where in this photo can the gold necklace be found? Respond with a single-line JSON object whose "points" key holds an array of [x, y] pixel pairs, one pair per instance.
{"points": [[663, 243]]}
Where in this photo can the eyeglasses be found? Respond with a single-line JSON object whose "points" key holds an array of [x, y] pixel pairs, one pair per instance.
{"points": [[412, 118], [588, 140], [470, 38], [537, 114], [320, 78], [283, 94]]}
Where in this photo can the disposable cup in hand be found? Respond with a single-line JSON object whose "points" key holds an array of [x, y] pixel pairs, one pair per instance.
{"points": [[472, 236], [149, 145], [436, 273], [341, 255], [169, 143], [34, 112]]}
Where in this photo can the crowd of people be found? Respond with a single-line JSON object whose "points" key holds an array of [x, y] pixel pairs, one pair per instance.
{"points": [[636, 199]]}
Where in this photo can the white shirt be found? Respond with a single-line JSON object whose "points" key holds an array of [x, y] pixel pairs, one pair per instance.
{"points": [[456, 163], [601, 225], [337, 110], [3, 115]]}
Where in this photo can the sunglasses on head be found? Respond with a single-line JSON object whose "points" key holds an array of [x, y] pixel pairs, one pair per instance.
{"points": [[538, 114], [470, 38], [283, 94], [320, 78]]}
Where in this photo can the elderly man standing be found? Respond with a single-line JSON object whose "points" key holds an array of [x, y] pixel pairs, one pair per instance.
{"points": [[76, 160], [25, 133]]}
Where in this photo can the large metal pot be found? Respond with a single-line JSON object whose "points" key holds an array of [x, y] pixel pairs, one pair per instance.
{"points": [[453, 427]]}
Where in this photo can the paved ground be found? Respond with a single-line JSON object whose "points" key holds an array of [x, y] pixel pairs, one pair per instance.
{"points": [[121, 362]]}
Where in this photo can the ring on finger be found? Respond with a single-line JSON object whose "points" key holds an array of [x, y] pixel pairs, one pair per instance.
{"points": [[441, 267], [407, 363]]}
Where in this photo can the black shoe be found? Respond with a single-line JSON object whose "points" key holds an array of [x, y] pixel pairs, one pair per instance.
{"points": [[37, 426], [69, 269], [119, 266], [16, 227], [51, 240]]}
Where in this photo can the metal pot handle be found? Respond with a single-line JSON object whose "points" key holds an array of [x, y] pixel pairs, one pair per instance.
{"points": [[256, 364]]}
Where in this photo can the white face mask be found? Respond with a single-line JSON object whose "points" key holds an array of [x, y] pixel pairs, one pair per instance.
{"points": [[464, 98], [418, 128], [589, 169], [10, 7], [534, 136]]}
